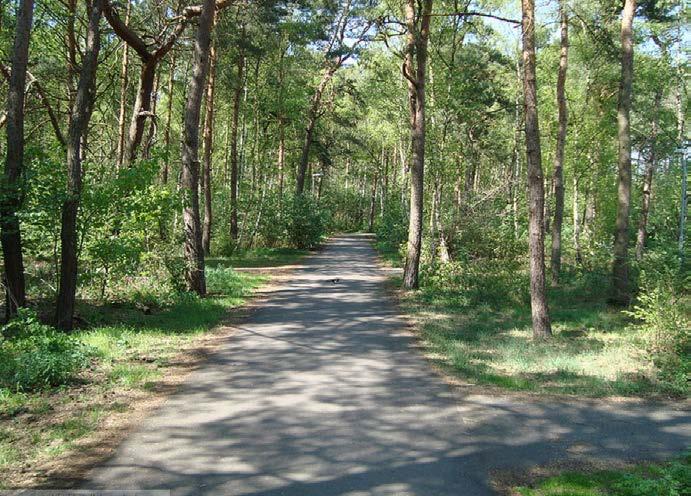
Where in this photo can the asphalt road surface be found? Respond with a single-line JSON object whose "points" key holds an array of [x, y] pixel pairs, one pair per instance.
{"points": [[321, 393]]}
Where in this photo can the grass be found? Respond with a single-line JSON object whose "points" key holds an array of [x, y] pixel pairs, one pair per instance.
{"points": [[133, 348], [476, 324], [652, 479], [258, 257]]}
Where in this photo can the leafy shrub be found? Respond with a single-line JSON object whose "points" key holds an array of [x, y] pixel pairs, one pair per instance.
{"points": [[392, 227], [491, 282], [659, 310], [306, 223], [671, 479], [225, 281], [35, 356]]}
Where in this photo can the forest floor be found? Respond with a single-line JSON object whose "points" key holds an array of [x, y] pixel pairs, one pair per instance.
{"points": [[480, 334], [322, 390], [142, 354]]}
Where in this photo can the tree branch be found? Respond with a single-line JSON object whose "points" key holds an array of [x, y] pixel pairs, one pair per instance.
{"points": [[470, 13]]}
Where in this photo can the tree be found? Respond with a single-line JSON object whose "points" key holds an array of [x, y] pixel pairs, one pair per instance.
{"points": [[11, 198], [79, 123], [536, 191], [621, 294], [234, 164], [414, 70], [208, 137], [561, 144], [336, 53], [650, 167], [189, 182]]}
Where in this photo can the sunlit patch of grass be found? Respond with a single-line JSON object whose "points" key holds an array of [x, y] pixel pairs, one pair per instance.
{"points": [[258, 257], [595, 351], [134, 344], [133, 375], [654, 479]]}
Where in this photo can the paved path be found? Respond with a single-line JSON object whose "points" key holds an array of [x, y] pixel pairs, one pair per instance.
{"points": [[321, 394]]}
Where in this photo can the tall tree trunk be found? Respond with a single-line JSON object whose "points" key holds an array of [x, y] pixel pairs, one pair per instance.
{"points": [[153, 125], [414, 70], [312, 117], [169, 119], [237, 96], [11, 199], [124, 80], [648, 181], [561, 144], [281, 156], [372, 204], [194, 252], [281, 159], [576, 220], [536, 188], [208, 149], [79, 124], [621, 294]]}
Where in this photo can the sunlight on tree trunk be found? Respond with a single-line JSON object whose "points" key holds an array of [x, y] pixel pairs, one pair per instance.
{"points": [[621, 294], [536, 193]]}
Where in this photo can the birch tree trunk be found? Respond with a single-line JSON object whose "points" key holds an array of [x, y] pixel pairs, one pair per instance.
{"points": [[648, 181], [237, 96], [124, 80], [561, 144], [169, 118], [208, 150]]}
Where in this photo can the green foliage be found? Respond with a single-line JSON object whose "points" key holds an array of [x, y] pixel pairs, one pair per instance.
{"points": [[392, 227], [655, 479], [34, 356], [306, 222], [659, 310]]}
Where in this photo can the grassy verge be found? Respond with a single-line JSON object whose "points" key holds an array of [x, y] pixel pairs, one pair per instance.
{"points": [[134, 348], [476, 324], [661, 479], [258, 257]]}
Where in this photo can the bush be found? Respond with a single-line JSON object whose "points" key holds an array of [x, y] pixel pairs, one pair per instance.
{"points": [[392, 228], [306, 223], [34, 356], [488, 282], [659, 310]]}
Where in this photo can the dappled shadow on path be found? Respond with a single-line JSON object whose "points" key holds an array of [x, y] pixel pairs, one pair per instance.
{"points": [[320, 394]]}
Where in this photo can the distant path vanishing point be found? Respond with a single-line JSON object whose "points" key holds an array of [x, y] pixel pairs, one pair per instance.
{"points": [[320, 393]]}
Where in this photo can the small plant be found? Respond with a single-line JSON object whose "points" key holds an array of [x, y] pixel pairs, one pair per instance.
{"points": [[35, 356]]}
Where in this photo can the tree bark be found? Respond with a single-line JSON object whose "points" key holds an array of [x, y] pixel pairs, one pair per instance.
{"points": [[536, 190], [169, 118], [237, 96], [621, 294], [648, 180], [79, 124], [312, 117], [124, 80], [194, 252], [208, 150], [561, 144], [372, 203], [11, 197], [414, 70], [575, 212]]}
